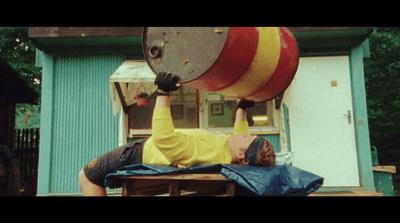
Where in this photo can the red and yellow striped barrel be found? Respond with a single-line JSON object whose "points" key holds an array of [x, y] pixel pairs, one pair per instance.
{"points": [[252, 63]]}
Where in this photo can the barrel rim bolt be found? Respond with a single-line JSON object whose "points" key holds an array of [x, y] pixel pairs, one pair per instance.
{"points": [[155, 52]]}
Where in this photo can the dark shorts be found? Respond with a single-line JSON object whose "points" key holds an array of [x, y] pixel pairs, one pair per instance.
{"points": [[128, 154]]}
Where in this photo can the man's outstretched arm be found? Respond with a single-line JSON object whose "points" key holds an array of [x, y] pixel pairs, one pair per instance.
{"points": [[164, 136], [241, 112], [241, 125], [162, 101]]}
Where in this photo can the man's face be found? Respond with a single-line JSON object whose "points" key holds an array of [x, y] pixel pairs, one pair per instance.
{"points": [[244, 140], [241, 144]]}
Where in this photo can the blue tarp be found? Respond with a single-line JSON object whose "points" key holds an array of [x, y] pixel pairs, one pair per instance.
{"points": [[252, 180]]}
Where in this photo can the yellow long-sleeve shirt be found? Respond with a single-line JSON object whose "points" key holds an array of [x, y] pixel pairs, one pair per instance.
{"points": [[186, 148]]}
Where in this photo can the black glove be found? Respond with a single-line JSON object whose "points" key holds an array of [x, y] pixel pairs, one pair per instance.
{"points": [[166, 83], [245, 104]]}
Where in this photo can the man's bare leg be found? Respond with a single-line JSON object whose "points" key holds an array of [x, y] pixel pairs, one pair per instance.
{"points": [[89, 188]]}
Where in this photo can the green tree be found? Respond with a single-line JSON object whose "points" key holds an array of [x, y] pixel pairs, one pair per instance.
{"points": [[382, 80], [18, 51]]}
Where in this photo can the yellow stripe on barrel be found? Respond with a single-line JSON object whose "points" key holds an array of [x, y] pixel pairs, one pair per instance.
{"points": [[262, 67]]}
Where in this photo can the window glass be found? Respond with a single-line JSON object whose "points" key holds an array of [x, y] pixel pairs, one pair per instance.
{"points": [[222, 112], [183, 110], [141, 117]]}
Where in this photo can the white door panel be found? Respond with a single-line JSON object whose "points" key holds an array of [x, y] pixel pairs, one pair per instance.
{"points": [[319, 101]]}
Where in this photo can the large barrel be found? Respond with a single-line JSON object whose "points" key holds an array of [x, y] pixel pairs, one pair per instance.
{"points": [[252, 63]]}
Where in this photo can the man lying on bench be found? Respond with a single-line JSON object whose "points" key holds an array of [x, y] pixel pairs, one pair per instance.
{"points": [[182, 148]]}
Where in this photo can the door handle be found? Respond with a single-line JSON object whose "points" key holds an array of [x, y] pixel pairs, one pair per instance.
{"points": [[348, 115]]}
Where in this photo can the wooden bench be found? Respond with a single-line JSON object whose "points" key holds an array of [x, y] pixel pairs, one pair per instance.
{"points": [[178, 185]]}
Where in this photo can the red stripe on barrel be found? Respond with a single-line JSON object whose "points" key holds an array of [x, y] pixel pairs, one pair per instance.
{"points": [[234, 60]]}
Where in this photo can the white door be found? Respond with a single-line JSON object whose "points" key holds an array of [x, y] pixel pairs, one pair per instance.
{"points": [[321, 120]]}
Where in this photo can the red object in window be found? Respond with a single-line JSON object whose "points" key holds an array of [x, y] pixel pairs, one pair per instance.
{"points": [[142, 102]]}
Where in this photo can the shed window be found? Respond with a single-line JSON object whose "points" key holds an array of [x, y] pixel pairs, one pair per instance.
{"points": [[222, 112], [183, 110]]}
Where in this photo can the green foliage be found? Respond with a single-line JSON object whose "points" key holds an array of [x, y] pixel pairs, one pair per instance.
{"points": [[27, 116], [382, 80], [18, 51]]}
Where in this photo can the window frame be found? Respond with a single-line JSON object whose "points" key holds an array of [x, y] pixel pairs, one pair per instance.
{"points": [[202, 121], [265, 130]]}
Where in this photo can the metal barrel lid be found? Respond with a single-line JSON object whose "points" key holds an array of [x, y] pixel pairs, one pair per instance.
{"points": [[187, 52]]}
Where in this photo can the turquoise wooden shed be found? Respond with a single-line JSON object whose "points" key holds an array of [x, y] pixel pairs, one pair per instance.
{"points": [[321, 118]]}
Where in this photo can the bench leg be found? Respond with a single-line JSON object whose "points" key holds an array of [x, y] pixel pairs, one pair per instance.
{"points": [[174, 188], [230, 189], [126, 188]]}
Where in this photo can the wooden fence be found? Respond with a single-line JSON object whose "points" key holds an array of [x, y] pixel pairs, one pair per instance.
{"points": [[26, 153]]}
